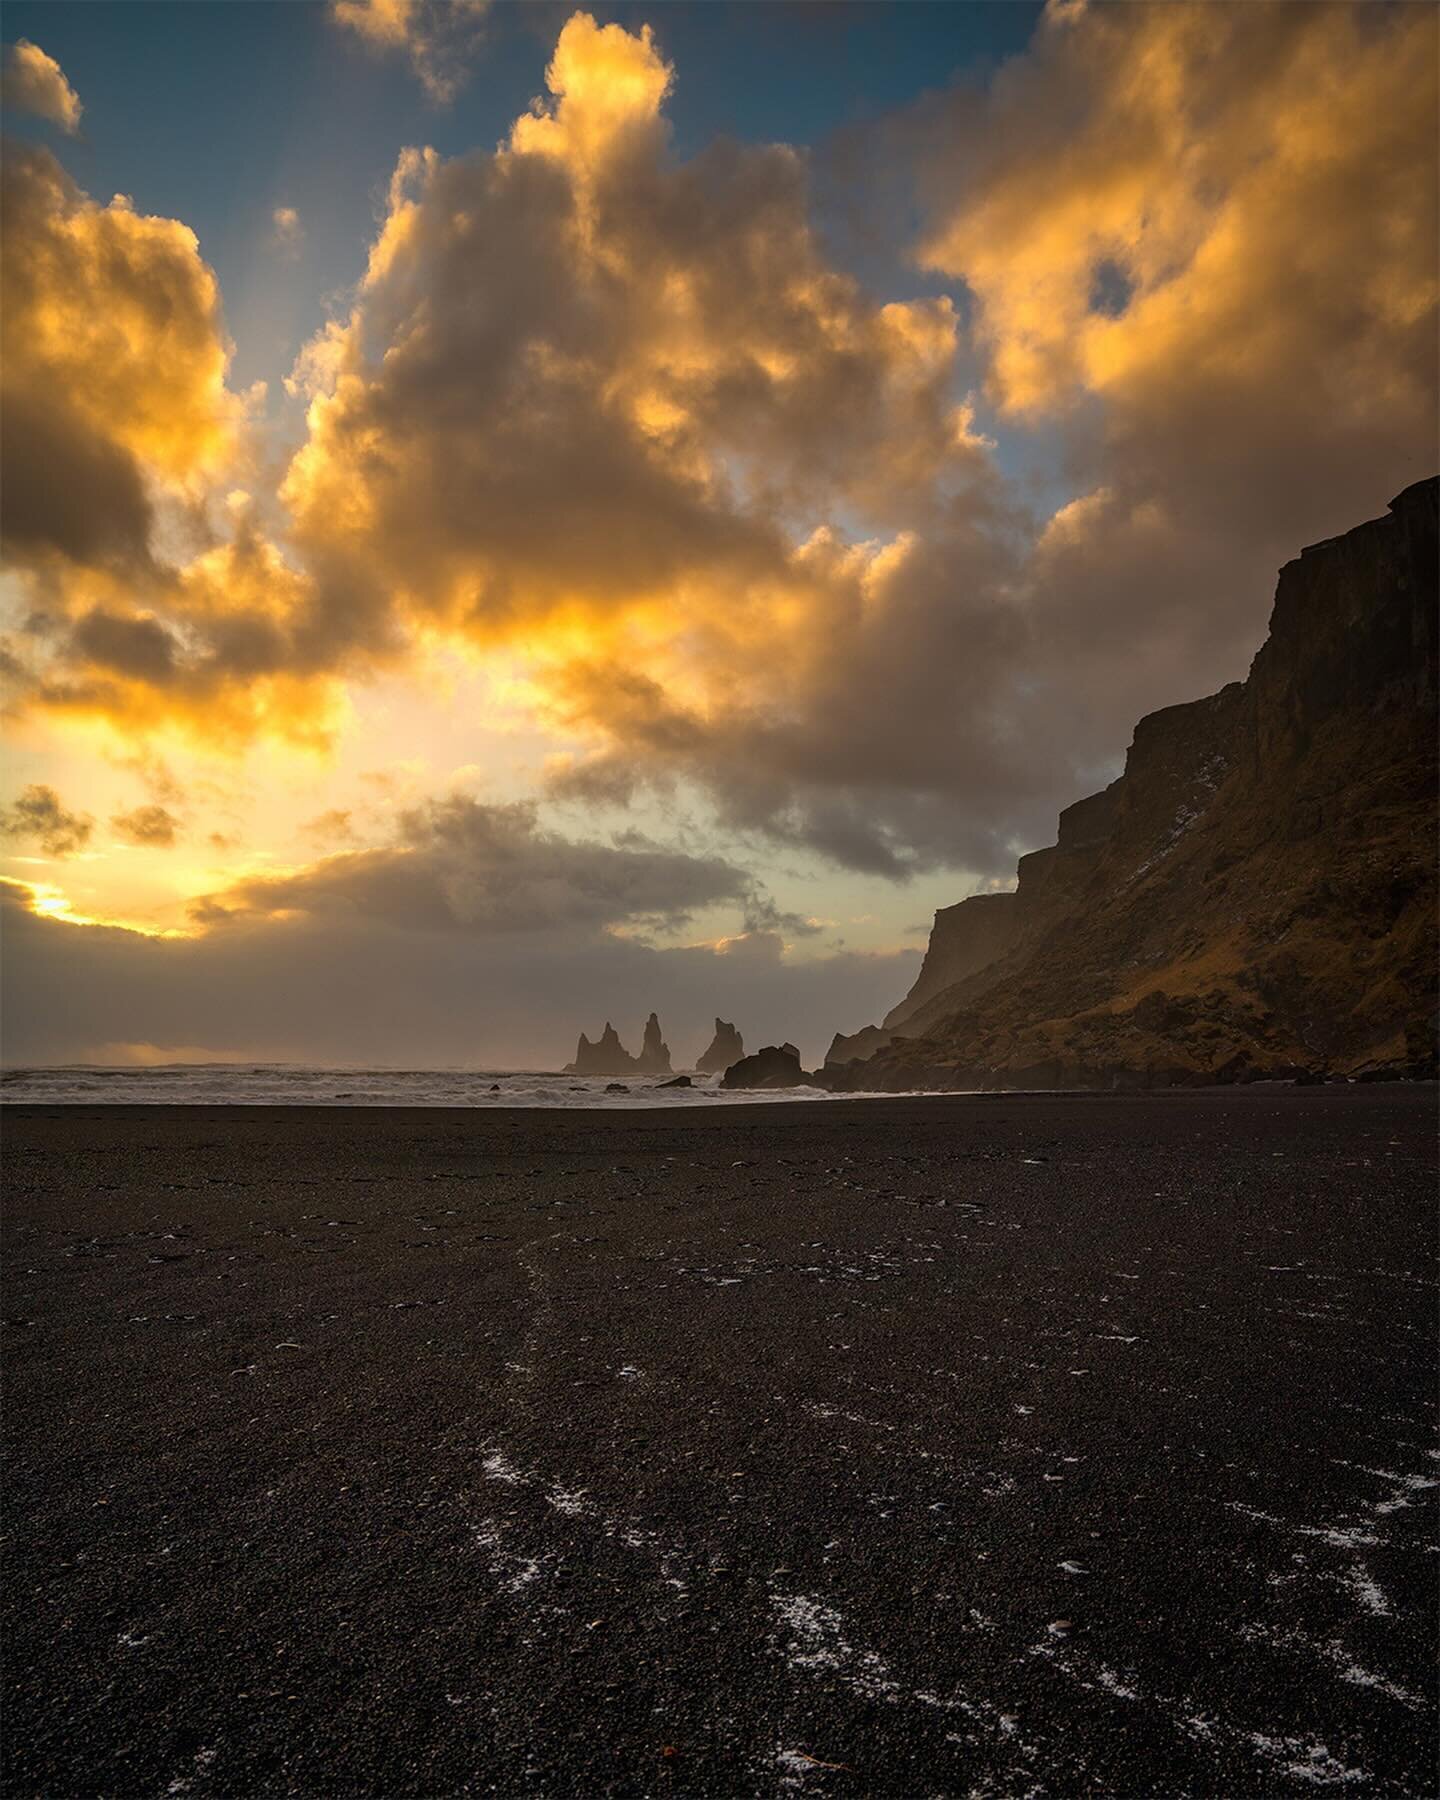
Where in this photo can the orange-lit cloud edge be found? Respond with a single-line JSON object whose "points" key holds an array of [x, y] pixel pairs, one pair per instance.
{"points": [[724, 520]]}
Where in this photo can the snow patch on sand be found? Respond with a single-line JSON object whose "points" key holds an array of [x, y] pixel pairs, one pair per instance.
{"points": [[1372, 1597], [1305, 1761], [514, 1570], [498, 1467], [817, 1644], [185, 1784]]}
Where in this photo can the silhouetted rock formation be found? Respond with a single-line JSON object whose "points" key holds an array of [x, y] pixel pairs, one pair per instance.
{"points": [[654, 1058], [773, 1067], [857, 1045], [1254, 896], [726, 1047], [966, 938], [607, 1057], [676, 1081]]}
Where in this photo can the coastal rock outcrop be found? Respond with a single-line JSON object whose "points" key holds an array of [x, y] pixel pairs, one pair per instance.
{"points": [[654, 1058], [1254, 896], [858, 1045], [608, 1056], [776, 1066], [726, 1047], [966, 938]]}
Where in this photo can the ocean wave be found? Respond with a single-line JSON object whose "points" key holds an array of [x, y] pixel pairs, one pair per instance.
{"points": [[288, 1084]]}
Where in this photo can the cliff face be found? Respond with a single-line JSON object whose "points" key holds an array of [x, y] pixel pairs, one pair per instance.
{"points": [[969, 941], [726, 1047], [964, 940], [1255, 895]]}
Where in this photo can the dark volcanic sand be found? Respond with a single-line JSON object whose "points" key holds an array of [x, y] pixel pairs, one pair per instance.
{"points": [[401, 1452]]}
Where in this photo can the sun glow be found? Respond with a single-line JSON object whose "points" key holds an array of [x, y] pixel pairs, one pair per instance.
{"points": [[48, 901]]}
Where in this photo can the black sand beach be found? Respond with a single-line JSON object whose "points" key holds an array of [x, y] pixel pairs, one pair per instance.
{"points": [[417, 1452]]}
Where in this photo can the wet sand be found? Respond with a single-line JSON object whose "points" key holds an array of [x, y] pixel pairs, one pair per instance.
{"points": [[955, 1446]]}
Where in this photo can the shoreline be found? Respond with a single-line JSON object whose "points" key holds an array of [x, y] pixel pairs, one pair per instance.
{"points": [[734, 1100]]}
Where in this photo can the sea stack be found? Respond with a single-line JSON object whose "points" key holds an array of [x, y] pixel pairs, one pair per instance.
{"points": [[607, 1057], [726, 1047], [654, 1058]]}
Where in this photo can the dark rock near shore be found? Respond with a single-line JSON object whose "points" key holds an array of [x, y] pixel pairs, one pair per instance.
{"points": [[776, 1066], [676, 1081], [726, 1047], [1254, 898]]}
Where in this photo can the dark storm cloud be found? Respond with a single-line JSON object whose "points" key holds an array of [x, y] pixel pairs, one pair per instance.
{"points": [[126, 646], [39, 817], [149, 827], [65, 490], [460, 865]]}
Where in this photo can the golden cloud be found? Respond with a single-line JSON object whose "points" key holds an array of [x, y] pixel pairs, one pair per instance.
{"points": [[593, 404], [116, 314], [662, 364], [601, 407], [1255, 185], [33, 82], [608, 86], [120, 434], [438, 36], [1201, 245], [615, 419]]}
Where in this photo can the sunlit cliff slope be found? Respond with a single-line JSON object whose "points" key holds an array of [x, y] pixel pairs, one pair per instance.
{"points": [[1255, 895]]}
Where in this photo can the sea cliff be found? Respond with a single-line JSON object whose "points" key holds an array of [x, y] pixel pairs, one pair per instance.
{"points": [[1254, 896]]}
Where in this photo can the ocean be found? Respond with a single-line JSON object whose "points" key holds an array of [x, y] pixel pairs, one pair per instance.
{"points": [[290, 1084]]}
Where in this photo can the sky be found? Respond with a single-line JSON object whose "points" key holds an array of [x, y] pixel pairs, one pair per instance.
{"points": [[514, 516]]}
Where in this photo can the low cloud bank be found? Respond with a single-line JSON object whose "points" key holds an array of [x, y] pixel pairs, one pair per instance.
{"points": [[343, 987]]}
